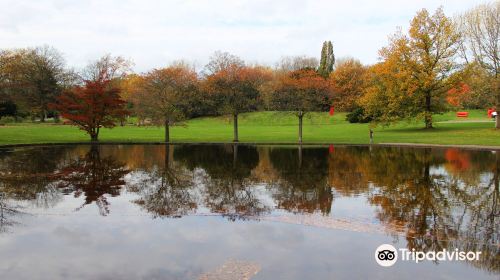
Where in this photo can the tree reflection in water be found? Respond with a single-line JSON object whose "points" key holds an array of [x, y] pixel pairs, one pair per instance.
{"points": [[28, 175], [228, 188], [435, 208], [8, 214], [168, 190], [303, 186], [92, 177], [434, 198]]}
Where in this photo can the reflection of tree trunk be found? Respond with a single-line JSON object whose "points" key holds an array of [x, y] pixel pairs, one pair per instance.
{"points": [[427, 167], [235, 124], [496, 191], [167, 156], [300, 157], [235, 154], [167, 131], [94, 153], [301, 115]]}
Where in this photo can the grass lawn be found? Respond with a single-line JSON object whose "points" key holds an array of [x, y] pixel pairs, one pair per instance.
{"points": [[274, 127]]}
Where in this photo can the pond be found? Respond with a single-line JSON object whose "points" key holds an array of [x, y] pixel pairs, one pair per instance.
{"points": [[245, 212]]}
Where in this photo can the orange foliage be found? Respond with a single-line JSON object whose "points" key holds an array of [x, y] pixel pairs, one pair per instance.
{"points": [[458, 94]]}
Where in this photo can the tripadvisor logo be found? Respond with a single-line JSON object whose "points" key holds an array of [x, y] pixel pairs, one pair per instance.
{"points": [[387, 255]]}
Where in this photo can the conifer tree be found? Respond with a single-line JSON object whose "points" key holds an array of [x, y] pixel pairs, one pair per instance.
{"points": [[327, 59]]}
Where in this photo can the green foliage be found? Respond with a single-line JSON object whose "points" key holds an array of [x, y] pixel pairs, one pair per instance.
{"points": [[358, 116], [8, 108], [327, 59], [7, 119]]}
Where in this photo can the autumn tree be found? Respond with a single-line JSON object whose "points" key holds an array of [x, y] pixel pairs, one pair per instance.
{"points": [[481, 29], [33, 77], [234, 88], [411, 80], [348, 83], [457, 94], [130, 86], [91, 106], [165, 93], [327, 59], [6, 100], [300, 92]]}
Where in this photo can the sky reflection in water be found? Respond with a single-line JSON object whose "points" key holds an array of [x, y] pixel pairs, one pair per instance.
{"points": [[151, 212]]}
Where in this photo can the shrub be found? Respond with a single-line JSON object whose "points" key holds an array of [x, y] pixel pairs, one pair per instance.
{"points": [[7, 119], [358, 116]]}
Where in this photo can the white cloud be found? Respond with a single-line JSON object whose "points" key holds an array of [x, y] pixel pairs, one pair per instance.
{"points": [[154, 33]]}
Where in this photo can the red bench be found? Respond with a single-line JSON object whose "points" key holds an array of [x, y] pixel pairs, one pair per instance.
{"points": [[462, 114]]}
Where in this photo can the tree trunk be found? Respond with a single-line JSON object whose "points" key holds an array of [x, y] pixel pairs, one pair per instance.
{"points": [[428, 113], [167, 131], [94, 137], [43, 115], [301, 115], [235, 123]]}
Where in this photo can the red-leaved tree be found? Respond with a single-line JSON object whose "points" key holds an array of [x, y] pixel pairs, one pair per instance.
{"points": [[458, 95], [92, 106]]}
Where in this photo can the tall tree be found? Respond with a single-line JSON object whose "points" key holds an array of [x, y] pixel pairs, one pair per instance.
{"points": [[235, 89], [92, 106], [411, 80], [300, 92], [348, 82], [165, 94], [33, 77], [481, 29], [327, 59], [481, 86]]}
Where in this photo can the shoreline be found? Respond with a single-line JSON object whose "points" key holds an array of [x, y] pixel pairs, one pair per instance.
{"points": [[409, 145]]}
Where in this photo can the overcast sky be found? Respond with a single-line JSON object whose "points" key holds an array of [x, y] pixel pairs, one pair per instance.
{"points": [[155, 33]]}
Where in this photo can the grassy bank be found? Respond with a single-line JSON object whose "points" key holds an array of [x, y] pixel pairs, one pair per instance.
{"points": [[273, 127]]}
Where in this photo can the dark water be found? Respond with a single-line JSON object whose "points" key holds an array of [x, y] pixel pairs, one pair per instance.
{"points": [[182, 212]]}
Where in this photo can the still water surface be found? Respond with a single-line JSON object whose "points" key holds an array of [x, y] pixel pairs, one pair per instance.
{"points": [[260, 212]]}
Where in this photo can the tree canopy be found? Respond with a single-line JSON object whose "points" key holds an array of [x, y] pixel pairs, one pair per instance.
{"points": [[411, 82]]}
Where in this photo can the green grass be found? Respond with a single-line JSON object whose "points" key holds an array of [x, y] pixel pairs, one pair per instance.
{"points": [[274, 127]]}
